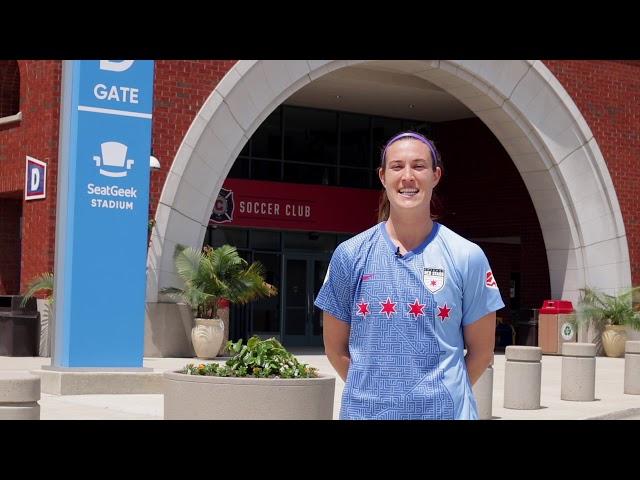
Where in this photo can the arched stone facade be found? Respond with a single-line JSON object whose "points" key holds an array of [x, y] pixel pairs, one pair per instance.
{"points": [[521, 102]]}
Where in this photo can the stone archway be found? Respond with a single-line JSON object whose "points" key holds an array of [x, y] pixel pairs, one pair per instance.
{"points": [[523, 104]]}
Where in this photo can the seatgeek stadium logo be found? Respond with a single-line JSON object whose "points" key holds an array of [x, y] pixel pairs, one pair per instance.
{"points": [[114, 192], [114, 157]]}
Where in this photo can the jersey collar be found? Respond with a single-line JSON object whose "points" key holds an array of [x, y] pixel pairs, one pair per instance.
{"points": [[416, 251]]}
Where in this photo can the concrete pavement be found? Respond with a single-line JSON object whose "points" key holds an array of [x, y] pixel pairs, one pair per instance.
{"points": [[610, 403]]}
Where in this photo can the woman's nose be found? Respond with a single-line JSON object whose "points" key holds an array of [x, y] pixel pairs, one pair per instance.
{"points": [[407, 173]]}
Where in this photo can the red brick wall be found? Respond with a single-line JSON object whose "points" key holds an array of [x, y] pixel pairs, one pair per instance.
{"points": [[605, 91], [35, 135], [483, 195], [10, 245], [180, 89], [608, 96]]}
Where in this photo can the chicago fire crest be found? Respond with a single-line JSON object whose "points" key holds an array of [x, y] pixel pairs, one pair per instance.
{"points": [[433, 279], [223, 208]]}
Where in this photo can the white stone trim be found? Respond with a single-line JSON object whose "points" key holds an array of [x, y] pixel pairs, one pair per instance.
{"points": [[521, 101], [11, 118]]}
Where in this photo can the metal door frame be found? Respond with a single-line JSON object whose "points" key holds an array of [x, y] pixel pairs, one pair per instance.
{"points": [[308, 339]]}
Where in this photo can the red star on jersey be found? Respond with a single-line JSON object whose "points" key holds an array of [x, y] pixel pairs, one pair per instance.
{"points": [[433, 283], [388, 307], [363, 308], [444, 312], [416, 309]]}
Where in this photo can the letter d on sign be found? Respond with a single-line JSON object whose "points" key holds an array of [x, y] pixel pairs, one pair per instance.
{"points": [[35, 179], [116, 66]]}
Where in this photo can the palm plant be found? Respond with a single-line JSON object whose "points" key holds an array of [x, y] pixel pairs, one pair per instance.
{"points": [[603, 309], [41, 282], [214, 274]]}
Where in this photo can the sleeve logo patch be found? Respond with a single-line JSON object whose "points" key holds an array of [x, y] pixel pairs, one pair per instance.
{"points": [[489, 281]]}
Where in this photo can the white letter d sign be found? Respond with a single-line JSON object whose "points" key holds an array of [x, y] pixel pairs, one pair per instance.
{"points": [[116, 66], [35, 179]]}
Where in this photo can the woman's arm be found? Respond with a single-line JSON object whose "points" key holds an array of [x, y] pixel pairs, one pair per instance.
{"points": [[480, 338], [336, 343]]}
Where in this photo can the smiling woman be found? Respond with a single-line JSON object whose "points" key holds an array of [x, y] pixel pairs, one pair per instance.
{"points": [[409, 162], [403, 298], [409, 173]]}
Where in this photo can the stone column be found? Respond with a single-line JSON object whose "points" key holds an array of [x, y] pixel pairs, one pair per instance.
{"points": [[483, 391], [632, 367], [522, 377], [19, 395], [578, 372]]}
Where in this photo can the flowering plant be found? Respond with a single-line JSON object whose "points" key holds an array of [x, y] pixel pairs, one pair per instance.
{"points": [[258, 358]]}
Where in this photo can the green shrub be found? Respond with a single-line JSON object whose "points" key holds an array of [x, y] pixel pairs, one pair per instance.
{"points": [[216, 273], [603, 309], [258, 358], [43, 282]]}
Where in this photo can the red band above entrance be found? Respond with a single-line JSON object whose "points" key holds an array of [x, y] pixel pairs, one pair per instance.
{"points": [[290, 206]]}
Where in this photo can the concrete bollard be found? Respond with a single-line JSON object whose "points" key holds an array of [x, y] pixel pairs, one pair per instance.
{"points": [[19, 395], [483, 391], [522, 377], [632, 367], [578, 372]]}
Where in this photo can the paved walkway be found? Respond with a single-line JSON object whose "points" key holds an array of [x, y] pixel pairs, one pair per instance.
{"points": [[610, 403]]}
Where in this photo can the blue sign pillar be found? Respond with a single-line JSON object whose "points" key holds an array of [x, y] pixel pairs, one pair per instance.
{"points": [[102, 213]]}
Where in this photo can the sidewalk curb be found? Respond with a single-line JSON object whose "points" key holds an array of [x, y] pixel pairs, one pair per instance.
{"points": [[616, 415]]}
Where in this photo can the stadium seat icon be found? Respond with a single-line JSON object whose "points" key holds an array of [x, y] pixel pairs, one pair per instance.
{"points": [[114, 155]]}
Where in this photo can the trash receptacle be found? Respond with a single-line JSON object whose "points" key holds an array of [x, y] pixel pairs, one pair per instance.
{"points": [[527, 328], [505, 334], [527, 334], [556, 326], [18, 327]]}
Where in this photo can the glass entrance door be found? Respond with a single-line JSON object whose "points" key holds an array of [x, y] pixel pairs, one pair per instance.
{"points": [[303, 277]]}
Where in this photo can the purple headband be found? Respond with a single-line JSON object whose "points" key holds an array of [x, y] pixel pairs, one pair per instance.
{"points": [[434, 153]]}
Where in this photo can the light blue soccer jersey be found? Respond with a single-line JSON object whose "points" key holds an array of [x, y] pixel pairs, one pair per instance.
{"points": [[406, 315]]}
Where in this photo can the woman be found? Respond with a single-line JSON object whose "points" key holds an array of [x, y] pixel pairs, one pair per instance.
{"points": [[402, 299]]}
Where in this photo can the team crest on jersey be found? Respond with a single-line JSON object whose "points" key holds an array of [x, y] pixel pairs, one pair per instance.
{"points": [[433, 279], [490, 281]]}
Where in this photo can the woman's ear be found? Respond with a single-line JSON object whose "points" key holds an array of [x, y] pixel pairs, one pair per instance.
{"points": [[437, 174], [381, 176]]}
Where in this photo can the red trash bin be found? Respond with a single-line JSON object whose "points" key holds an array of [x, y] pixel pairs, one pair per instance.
{"points": [[556, 325]]}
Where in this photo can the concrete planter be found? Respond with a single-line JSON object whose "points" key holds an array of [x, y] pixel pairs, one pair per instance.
{"points": [[207, 337], [614, 338], [197, 397], [223, 313]]}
